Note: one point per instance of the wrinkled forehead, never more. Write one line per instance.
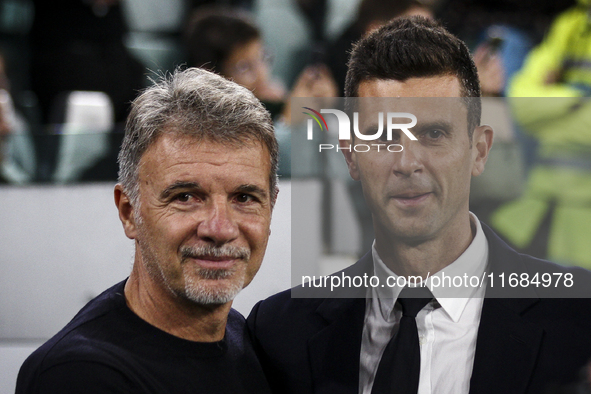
(180, 141)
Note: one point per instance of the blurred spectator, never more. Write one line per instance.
(78, 45)
(553, 217)
(469, 19)
(371, 14)
(491, 70)
(228, 42)
(498, 56)
(501, 33)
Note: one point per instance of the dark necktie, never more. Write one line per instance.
(398, 372)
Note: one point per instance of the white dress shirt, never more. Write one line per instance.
(447, 326)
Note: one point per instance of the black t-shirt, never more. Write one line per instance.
(107, 348)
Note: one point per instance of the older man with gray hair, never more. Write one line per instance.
(197, 184)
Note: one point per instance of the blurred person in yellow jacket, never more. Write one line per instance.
(550, 98)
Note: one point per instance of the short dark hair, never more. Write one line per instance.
(214, 32)
(415, 47)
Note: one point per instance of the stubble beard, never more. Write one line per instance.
(197, 288)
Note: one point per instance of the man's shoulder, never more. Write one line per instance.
(85, 327)
(518, 275)
(305, 309)
(319, 291)
(564, 291)
(282, 307)
(82, 340)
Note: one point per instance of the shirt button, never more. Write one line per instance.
(421, 340)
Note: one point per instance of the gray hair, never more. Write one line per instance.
(200, 104)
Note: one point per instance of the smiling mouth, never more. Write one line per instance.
(214, 263)
(214, 258)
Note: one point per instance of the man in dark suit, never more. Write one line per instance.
(518, 339)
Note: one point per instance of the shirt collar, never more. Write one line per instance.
(472, 262)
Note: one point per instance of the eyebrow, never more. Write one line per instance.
(250, 188)
(179, 185)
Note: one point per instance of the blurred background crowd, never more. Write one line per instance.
(69, 69)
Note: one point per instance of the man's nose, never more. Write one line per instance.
(409, 161)
(219, 225)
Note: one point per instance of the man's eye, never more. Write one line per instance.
(242, 198)
(434, 134)
(183, 197)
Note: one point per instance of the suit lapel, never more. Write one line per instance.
(507, 345)
(335, 350)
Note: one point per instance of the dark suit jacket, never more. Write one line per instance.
(524, 345)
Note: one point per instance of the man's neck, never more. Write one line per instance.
(181, 318)
(424, 257)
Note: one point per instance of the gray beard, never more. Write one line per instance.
(197, 291)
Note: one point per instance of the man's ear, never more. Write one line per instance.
(346, 147)
(482, 141)
(126, 213)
